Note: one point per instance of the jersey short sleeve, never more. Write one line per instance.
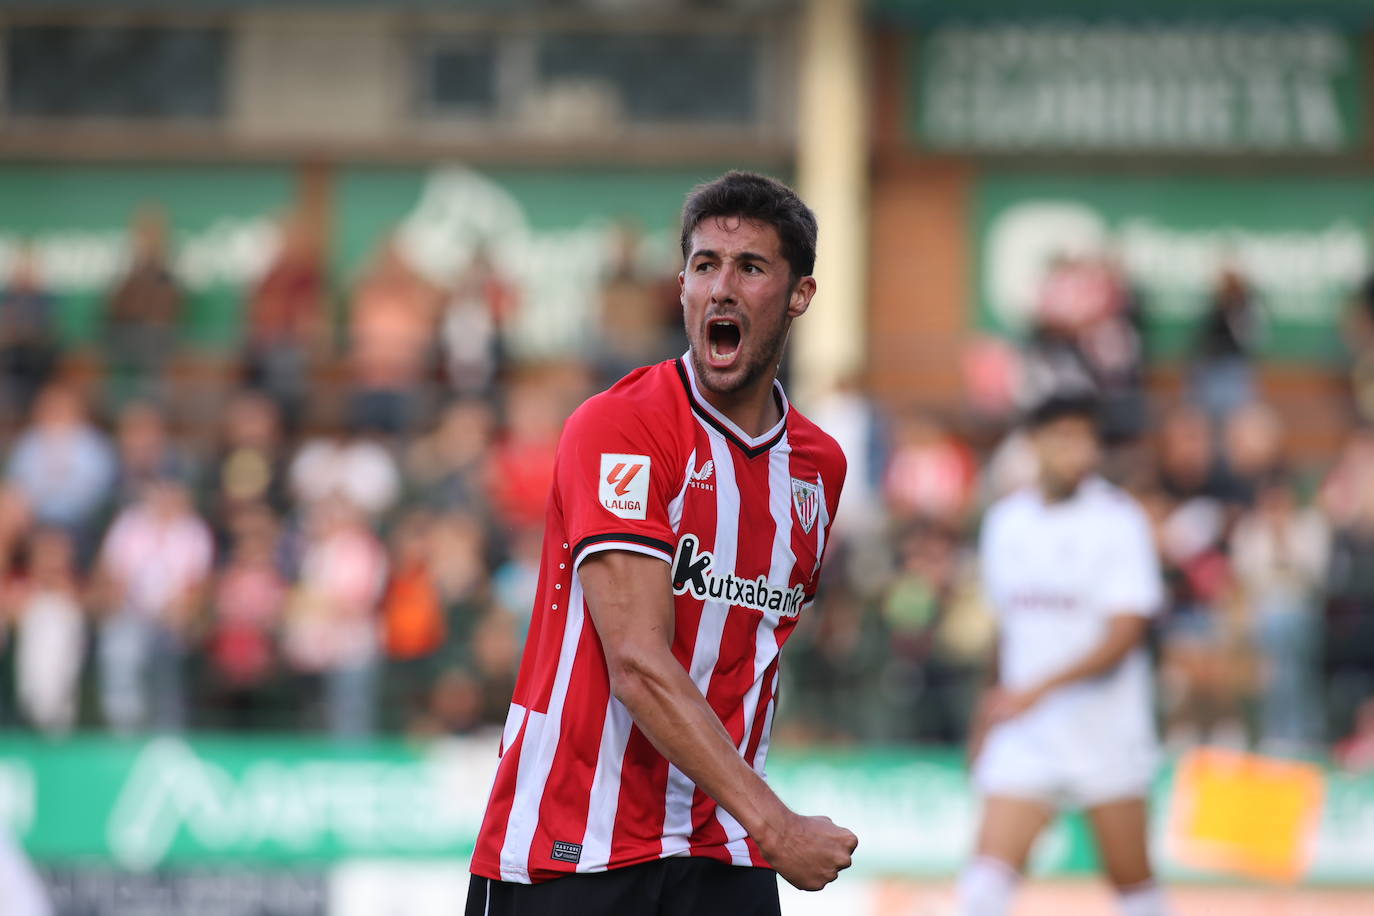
(615, 476)
(1132, 583)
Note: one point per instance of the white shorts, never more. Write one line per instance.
(1019, 763)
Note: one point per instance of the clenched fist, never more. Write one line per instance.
(809, 852)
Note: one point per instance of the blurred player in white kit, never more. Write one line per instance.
(1070, 570)
(21, 890)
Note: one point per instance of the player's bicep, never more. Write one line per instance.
(630, 598)
(614, 481)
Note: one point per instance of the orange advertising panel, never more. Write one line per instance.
(1245, 814)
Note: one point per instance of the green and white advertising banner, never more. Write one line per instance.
(223, 222)
(171, 805)
(554, 232)
(1086, 86)
(1302, 243)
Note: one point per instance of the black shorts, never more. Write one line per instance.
(676, 886)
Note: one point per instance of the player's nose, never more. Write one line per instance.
(723, 286)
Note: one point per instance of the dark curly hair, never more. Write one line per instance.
(760, 198)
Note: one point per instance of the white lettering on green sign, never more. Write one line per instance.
(1104, 88)
(367, 805)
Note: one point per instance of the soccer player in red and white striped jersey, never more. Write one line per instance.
(689, 514)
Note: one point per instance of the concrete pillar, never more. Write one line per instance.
(832, 176)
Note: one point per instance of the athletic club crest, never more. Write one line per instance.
(806, 499)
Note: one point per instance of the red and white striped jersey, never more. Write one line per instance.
(651, 467)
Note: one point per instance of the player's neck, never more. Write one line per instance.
(754, 409)
(1052, 492)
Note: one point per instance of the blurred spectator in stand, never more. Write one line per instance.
(1108, 330)
(1349, 481)
(144, 311)
(154, 567)
(145, 452)
(391, 335)
(1222, 374)
(63, 466)
(991, 370)
(630, 333)
(1358, 335)
(1355, 753)
(1252, 452)
(455, 707)
(356, 468)
(1012, 466)
(931, 473)
(1075, 295)
(1186, 461)
(50, 631)
(1201, 678)
(496, 659)
(448, 467)
(913, 608)
(414, 629)
(288, 319)
(1348, 497)
(849, 415)
(472, 327)
(515, 582)
(250, 468)
(1086, 336)
(245, 621)
(331, 630)
(837, 659)
(1280, 551)
(521, 470)
(28, 335)
(459, 562)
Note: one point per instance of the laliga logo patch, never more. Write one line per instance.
(624, 484)
(806, 499)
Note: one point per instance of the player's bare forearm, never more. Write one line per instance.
(630, 599)
(1124, 633)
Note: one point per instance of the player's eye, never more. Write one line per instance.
(752, 269)
(702, 266)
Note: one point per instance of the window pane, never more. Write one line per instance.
(147, 72)
(460, 76)
(662, 77)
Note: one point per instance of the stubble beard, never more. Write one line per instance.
(765, 363)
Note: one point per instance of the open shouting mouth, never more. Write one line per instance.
(723, 339)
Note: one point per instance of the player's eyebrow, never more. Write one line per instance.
(742, 256)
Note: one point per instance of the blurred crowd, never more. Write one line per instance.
(346, 538)
(1267, 640)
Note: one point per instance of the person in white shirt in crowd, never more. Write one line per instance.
(50, 630)
(1070, 571)
(331, 631)
(153, 569)
(358, 468)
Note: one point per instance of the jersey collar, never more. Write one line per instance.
(750, 445)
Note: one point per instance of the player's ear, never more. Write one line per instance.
(799, 300)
